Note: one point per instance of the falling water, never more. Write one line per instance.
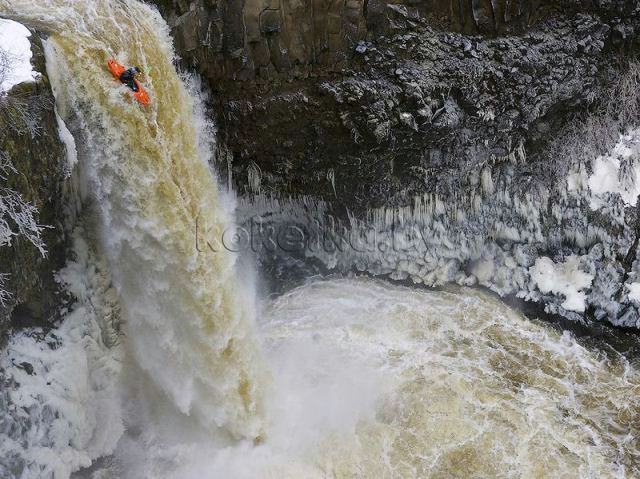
(187, 323)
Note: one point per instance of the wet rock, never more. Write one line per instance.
(28, 368)
(270, 21)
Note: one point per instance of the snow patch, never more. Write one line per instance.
(634, 292)
(566, 279)
(617, 172)
(14, 42)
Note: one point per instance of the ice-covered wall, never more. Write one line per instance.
(570, 246)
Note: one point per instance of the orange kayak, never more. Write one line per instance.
(141, 95)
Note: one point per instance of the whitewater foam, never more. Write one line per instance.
(373, 380)
(61, 397)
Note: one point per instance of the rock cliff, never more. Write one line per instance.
(30, 142)
(462, 112)
(310, 90)
(463, 121)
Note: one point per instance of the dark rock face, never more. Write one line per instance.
(421, 113)
(445, 124)
(392, 98)
(267, 39)
(29, 139)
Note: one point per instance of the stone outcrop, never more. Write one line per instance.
(269, 39)
(29, 139)
(453, 115)
(393, 98)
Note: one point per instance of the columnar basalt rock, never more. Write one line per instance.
(375, 104)
(412, 89)
(279, 39)
(265, 39)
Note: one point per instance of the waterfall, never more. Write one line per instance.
(159, 368)
(146, 176)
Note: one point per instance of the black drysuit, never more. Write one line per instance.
(129, 78)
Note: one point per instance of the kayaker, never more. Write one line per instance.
(129, 78)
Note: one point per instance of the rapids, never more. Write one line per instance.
(372, 380)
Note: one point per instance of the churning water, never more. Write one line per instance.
(372, 380)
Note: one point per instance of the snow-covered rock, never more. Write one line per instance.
(618, 171)
(15, 55)
(566, 279)
(634, 292)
